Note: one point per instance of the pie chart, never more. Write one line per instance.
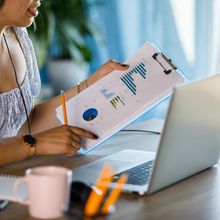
(90, 114)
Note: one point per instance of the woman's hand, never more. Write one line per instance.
(61, 140)
(105, 69)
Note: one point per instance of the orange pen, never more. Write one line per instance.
(64, 107)
(115, 193)
(97, 195)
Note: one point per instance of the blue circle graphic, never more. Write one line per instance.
(90, 114)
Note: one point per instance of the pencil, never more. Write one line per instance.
(64, 107)
(115, 193)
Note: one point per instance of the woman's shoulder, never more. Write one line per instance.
(31, 62)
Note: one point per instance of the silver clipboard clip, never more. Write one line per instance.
(169, 61)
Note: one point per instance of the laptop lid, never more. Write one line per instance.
(190, 141)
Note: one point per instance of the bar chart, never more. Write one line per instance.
(128, 78)
(116, 101)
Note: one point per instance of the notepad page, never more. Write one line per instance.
(6, 188)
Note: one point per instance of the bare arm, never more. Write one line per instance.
(12, 150)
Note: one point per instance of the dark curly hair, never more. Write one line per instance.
(1, 2)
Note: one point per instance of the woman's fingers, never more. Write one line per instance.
(74, 146)
(71, 151)
(76, 140)
(105, 69)
(113, 65)
(83, 133)
(110, 66)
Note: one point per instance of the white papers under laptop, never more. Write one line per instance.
(190, 142)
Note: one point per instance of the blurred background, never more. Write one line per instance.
(72, 38)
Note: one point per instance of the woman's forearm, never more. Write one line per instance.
(43, 116)
(12, 150)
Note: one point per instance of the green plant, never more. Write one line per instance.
(64, 24)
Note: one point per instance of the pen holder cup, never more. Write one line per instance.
(78, 197)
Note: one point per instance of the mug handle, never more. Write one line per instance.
(15, 188)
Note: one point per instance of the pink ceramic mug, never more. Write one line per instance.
(48, 191)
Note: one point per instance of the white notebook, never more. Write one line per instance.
(6, 188)
(120, 97)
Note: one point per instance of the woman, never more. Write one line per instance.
(27, 130)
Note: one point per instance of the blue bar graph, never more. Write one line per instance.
(128, 79)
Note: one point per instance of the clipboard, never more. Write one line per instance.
(119, 98)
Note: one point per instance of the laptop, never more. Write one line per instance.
(190, 143)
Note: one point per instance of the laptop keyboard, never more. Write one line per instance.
(138, 175)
